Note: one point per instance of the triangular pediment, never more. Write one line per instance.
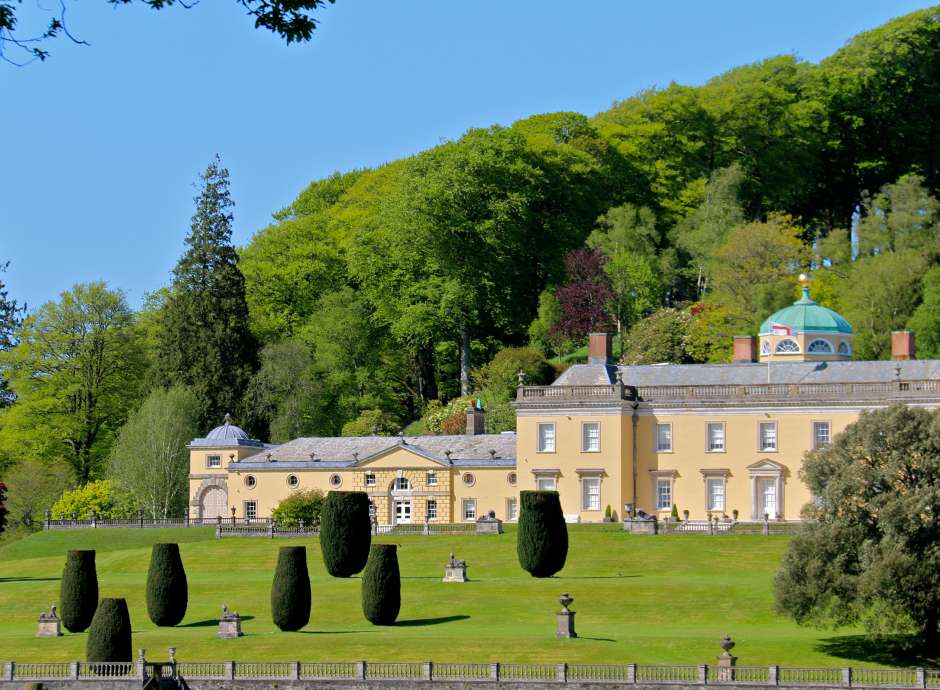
(766, 465)
(401, 455)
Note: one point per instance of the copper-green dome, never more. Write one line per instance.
(806, 316)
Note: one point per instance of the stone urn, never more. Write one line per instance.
(565, 618)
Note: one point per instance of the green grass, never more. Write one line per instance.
(664, 599)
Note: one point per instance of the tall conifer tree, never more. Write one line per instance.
(205, 342)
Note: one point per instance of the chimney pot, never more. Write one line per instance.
(745, 349)
(600, 348)
(902, 345)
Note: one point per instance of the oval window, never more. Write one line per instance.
(336, 480)
(469, 479)
(250, 481)
(512, 478)
(293, 481)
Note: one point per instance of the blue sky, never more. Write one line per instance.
(101, 144)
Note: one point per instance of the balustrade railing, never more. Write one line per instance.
(475, 673)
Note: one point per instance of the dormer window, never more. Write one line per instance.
(787, 346)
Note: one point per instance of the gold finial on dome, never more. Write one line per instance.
(804, 279)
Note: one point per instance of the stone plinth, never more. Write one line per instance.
(640, 526)
(727, 661)
(50, 625)
(455, 570)
(230, 624)
(565, 619)
(489, 525)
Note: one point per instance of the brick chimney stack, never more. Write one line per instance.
(745, 349)
(902, 345)
(475, 419)
(600, 348)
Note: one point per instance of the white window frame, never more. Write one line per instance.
(710, 505)
(370, 478)
(512, 509)
(760, 437)
(546, 478)
(253, 509)
(585, 446)
(663, 482)
(469, 509)
(431, 478)
(656, 440)
(828, 351)
(214, 462)
(708, 437)
(542, 443)
(586, 495)
(779, 351)
(402, 484)
(431, 509)
(815, 438)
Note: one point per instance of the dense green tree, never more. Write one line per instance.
(10, 320)
(371, 423)
(501, 374)
(871, 551)
(150, 459)
(105, 498)
(167, 589)
(34, 486)
(345, 532)
(205, 338)
(78, 591)
(76, 371)
(381, 585)
(109, 636)
(299, 507)
(282, 395)
(542, 542)
(543, 331)
(585, 296)
(903, 216)
(660, 337)
(925, 322)
(3, 507)
(290, 591)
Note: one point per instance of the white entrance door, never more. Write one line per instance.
(402, 512)
(214, 503)
(768, 494)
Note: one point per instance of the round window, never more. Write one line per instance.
(469, 479)
(250, 481)
(335, 480)
(293, 481)
(511, 478)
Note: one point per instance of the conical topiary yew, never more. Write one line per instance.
(381, 585)
(109, 637)
(345, 532)
(542, 543)
(167, 590)
(290, 592)
(78, 592)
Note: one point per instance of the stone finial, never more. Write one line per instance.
(565, 618)
(618, 377)
(141, 654)
(492, 453)
(227, 420)
(520, 378)
(726, 644)
(172, 652)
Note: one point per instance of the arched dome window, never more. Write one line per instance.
(765, 347)
(844, 348)
(787, 346)
(820, 346)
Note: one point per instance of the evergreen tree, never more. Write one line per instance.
(109, 637)
(542, 544)
(205, 342)
(78, 593)
(345, 532)
(290, 592)
(10, 313)
(381, 585)
(3, 507)
(167, 590)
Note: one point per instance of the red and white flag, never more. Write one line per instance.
(780, 329)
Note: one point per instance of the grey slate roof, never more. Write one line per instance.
(337, 451)
(753, 373)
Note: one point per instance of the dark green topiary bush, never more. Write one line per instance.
(542, 543)
(381, 585)
(167, 591)
(78, 592)
(345, 532)
(109, 637)
(290, 592)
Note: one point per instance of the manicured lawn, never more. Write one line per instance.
(664, 599)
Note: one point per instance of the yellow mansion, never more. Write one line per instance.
(711, 439)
